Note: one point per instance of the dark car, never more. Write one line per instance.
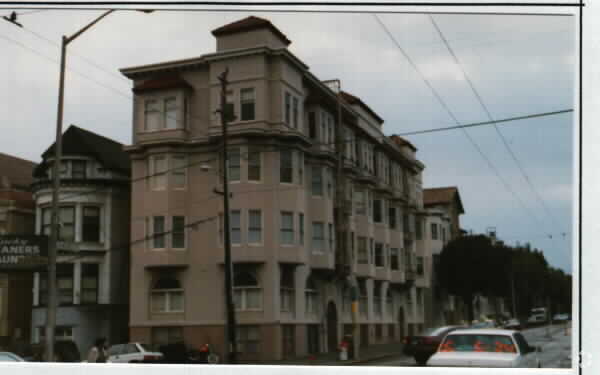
(64, 351)
(424, 345)
(180, 353)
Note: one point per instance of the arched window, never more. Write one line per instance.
(167, 296)
(247, 293)
(311, 295)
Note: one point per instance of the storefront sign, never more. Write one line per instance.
(23, 252)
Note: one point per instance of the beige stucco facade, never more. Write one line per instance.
(290, 301)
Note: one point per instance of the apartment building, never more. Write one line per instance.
(92, 263)
(17, 217)
(289, 299)
(441, 224)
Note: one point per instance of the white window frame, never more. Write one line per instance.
(162, 101)
(242, 102)
(291, 153)
(153, 234)
(185, 233)
(154, 175)
(312, 180)
(283, 230)
(178, 170)
(234, 151)
(250, 229)
(168, 293)
(253, 150)
(321, 249)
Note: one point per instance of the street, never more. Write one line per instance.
(555, 349)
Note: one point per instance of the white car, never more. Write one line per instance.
(485, 348)
(132, 353)
(10, 357)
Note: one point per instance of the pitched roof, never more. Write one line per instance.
(16, 171)
(164, 82)
(78, 141)
(402, 142)
(351, 99)
(247, 24)
(442, 195)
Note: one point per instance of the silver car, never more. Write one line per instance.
(10, 357)
(485, 348)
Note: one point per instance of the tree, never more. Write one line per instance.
(472, 265)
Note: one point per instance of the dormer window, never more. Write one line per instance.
(78, 169)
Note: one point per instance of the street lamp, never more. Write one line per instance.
(52, 251)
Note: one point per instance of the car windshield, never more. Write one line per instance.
(5, 357)
(145, 347)
(478, 343)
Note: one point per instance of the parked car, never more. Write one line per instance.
(10, 357)
(64, 351)
(181, 353)
(422, 346)
(133, 352)
(485, 348)
(513, 324)
(484, 324)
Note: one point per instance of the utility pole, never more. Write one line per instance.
(230, 329)
(342, 221)
(54, 224)
(514, 298)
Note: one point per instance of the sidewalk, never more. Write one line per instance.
(371, 353)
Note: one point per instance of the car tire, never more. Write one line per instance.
(421, 360)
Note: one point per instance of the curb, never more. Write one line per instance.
(367, 360)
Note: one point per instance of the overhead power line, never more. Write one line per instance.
(475, 124)
(451, 114)
(490, 117)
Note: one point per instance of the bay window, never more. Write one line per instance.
(287, 228)
(286, 169)
(254, 164)
(234, 164)
(287, 291)
(311, 296)
(317, 180)
(254, 226)
(179, 171)
(91, 224)
(247, 103)
(158, 232)
(158, 172)
(89, 283)
(178, 232)
(318, 237)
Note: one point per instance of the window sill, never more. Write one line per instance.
(144, 131)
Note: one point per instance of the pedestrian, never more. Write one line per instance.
(98, 352)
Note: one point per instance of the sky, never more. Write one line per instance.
(518, 64)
